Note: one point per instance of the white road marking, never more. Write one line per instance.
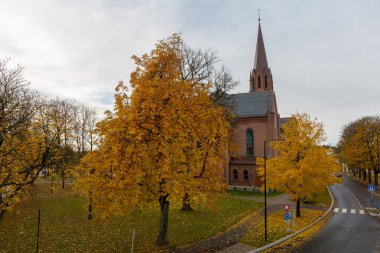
(345, 210)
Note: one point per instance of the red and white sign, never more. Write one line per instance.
(287, 207)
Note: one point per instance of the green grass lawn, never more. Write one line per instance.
(251, 194)
(319, 199)
(65, 228)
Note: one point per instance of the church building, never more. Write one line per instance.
(257, 120)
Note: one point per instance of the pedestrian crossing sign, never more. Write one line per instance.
(371, 188)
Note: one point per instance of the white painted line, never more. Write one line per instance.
(361, 211)
(353, 211)
(336, 210)
(344, 210)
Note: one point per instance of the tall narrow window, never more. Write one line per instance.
(259, 82)
(245, 174)
(235, 174)
(266, 82)
(249, 142)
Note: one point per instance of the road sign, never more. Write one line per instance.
(371, 188)
(287, 207)
(287, 216)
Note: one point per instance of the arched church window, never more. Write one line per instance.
(245, 174)
(266, 82)
(249, 142)
(235, 174)
(259, 82)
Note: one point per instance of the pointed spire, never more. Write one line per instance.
(261, 57)
(260, 78)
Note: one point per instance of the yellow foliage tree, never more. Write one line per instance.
(303, 165)
(167, 141)
(359, 146)
(28, 140)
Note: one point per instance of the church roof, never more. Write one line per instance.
(253, 104)
(284, 120)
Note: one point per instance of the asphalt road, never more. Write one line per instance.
(349, 229)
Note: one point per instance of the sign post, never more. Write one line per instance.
(288, 217)
(371, 189)
(291, 220)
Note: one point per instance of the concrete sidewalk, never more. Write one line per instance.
(281, 199)
(237, 248)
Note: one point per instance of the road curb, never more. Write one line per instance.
(373, 211)
(270, 245)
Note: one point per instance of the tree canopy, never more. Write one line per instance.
(35, 134)
(167, 140)
(303, 165)
(359, 146)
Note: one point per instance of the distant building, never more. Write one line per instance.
(257, 120)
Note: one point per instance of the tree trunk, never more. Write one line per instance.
(364, 174)
(2, 214)
(376, 173)
(369, 176)
(360, 173)
(353, 171)
(90, 206)
(63, 179)
(298, 208)
(186, 203)
(164, 222)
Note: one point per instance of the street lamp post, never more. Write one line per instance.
(265, 187)
(265, 191)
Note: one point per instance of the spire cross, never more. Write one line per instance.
(258, 12)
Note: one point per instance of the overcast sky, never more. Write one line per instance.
(324, 55)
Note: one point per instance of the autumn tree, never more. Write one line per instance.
(203, 67)
(27, 139)
(359, 146)
(84, 129)
(153, 147)
(303, 165)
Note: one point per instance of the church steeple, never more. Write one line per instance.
(261, 57)
(261, 76)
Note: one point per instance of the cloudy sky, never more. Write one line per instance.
(324, 55)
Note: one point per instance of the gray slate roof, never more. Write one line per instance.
(253, 104)
(284, 120)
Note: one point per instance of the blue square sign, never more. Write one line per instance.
(286, 216)
(371, 188)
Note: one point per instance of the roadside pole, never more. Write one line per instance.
(38, 230)
(371, 189)
(133, 240)
(288, 216)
